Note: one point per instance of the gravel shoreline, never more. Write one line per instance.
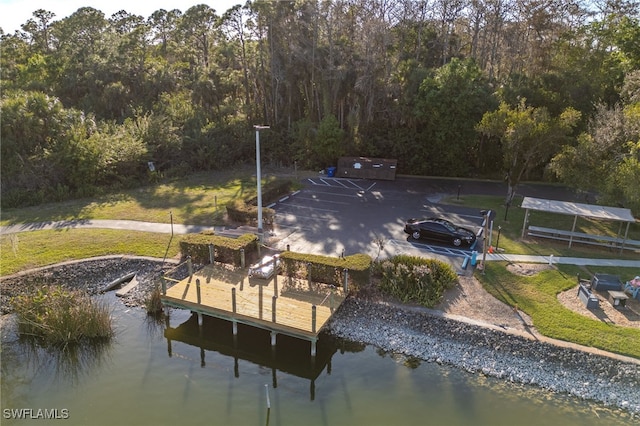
(473, 348)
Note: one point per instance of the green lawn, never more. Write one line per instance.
(39, 248)
(196, 200)
(537, 296)
(200, 200)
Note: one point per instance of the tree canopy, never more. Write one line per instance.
(88, 100)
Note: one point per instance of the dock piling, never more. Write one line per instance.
(313, 318)
(198, 296)
(273, 308)
(233, 300)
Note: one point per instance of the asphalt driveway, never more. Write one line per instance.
(335, 216)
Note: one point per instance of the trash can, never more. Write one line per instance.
(331, 171)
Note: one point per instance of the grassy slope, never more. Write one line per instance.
(537, 296)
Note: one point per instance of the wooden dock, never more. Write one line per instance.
(281, 304)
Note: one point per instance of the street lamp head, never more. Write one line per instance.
(260, 127)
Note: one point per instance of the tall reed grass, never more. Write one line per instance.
(59, 316)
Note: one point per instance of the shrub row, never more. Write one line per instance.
(415, 279)
(328, 269)
(226, 249)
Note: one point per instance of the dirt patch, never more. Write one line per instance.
(627, 316)
(469, 299)
(527, 269)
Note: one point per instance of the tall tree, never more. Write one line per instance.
(529, 137)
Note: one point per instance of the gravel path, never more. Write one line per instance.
(416, 332)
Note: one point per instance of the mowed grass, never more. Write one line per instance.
(199, 199)
(27, 250)
(537, 296)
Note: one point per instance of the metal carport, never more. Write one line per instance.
(577, 209)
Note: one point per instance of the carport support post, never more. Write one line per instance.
(524, 224)
(573, 228)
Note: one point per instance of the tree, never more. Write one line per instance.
(449, 105)
(607, 156)
(529, 137)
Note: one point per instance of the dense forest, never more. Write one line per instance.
(513, 89)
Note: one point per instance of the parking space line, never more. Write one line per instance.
(372, 185)
(325, 201)
(340, 183)
(310, 208)
(354, 184)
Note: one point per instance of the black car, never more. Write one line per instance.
(439, 230)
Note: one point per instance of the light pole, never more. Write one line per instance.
(259, 179)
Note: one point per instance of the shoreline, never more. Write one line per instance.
(430, 335)
(482, 350)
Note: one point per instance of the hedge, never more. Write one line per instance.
(328, 269)
(226, 249)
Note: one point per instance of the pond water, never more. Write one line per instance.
(150, 375)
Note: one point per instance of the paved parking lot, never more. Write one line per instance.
(333, 216)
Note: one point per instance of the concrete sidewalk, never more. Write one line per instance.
(128, 225)
(167, 228)
(555, 260)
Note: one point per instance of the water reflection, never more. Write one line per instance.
(290, 355)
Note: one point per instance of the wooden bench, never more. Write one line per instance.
(582, 238)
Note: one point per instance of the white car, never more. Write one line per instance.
(265, 268)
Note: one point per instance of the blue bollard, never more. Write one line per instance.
(474, 258)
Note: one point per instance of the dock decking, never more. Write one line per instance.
(281, 304)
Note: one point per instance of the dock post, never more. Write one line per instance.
(164, 285)
(234, 328)
(273, 339)
(200, 319)
(198, 298)
(242, 259)
(190, 267)
(309, 273)
(273, 308)
(313, 347)
(233, 299)
(212, 254)
(313, 318)
(346, 281)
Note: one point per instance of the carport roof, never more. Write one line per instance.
(578, 209)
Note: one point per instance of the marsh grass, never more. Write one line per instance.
(153, 304)
(62, 317)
